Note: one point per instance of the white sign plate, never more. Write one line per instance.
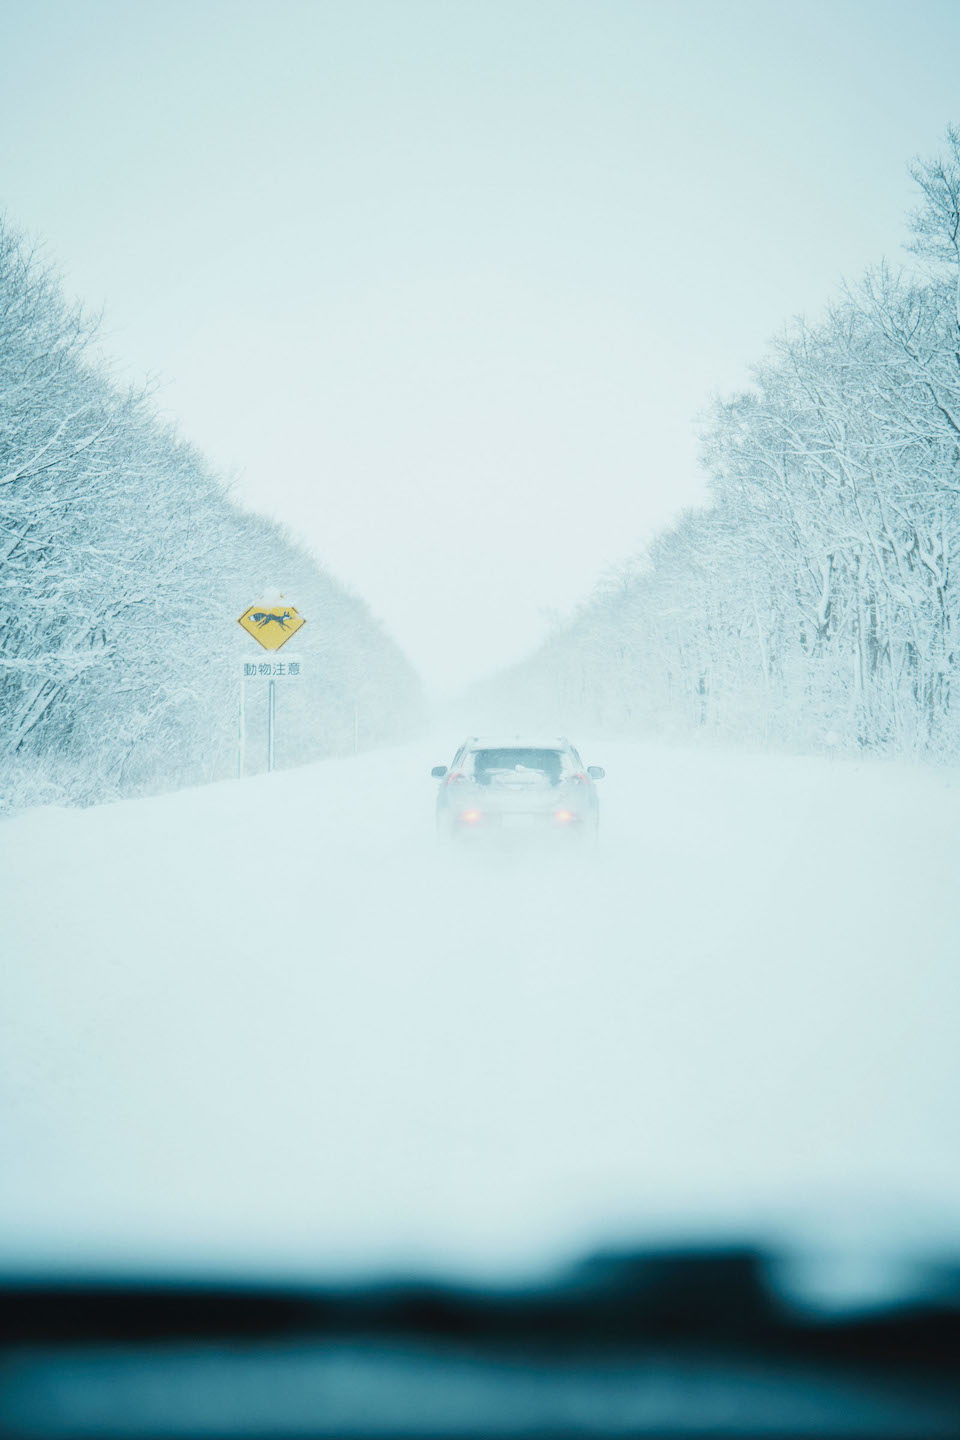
(289, 668)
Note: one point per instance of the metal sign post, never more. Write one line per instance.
(271, 722)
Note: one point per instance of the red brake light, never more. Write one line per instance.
(563, 816)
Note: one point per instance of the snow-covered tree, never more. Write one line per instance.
(123, 567)
(815, 600)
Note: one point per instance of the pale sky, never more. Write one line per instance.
(447, 284)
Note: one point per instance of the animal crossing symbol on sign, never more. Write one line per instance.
(271, 625)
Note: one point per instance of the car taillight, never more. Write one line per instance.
(564, 816)
(470, 816)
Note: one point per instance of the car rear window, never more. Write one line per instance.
(489, 763)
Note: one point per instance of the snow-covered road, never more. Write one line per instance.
(271, 1024)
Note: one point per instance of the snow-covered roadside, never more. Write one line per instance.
(270, 1025)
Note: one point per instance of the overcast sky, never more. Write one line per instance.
(447, 284)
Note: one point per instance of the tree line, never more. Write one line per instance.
(123, 566)
(813, 601)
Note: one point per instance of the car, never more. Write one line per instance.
(537, 786)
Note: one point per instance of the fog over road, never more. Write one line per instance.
(270, 1023)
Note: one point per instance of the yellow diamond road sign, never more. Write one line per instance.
(271, 625)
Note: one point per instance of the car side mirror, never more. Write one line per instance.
(438, 772)
(596, 772)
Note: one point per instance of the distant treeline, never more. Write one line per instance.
(814, 602)
(123, 567)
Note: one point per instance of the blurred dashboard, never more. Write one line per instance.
(686, 1343)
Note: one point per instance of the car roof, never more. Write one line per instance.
(517, 742)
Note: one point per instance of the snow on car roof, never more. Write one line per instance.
(518, 742)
